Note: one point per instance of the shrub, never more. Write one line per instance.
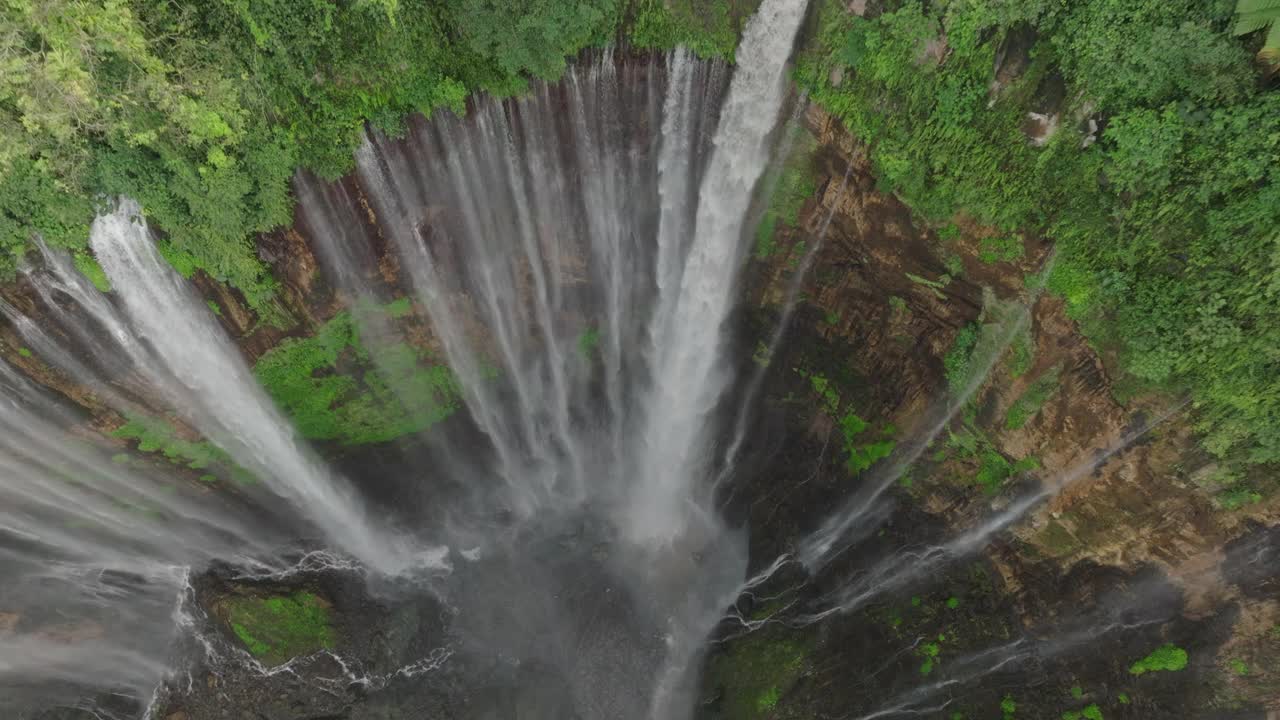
(1169, 658)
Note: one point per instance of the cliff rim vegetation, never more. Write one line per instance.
(1142, 138)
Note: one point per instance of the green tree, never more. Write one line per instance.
(535, 36)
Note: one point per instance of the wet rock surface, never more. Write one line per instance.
(1125, 553)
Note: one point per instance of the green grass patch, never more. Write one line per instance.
(977, 345)
(934, 285)
(929, 653)
(862, 449)
(1236, 498)
(275, 629)
(994, 469)
(862, 452)
(970, 443)
(958, 360)
(825, 389)
(398, 308)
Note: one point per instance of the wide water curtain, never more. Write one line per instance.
(567, 259)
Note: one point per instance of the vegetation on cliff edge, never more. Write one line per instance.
(202, 111)
(1157, 178)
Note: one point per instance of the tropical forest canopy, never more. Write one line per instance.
(1157, 180)
(202, 110)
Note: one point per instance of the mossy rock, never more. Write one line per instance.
(276, 628)
(756, 670)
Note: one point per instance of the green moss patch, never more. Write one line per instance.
(795, 185)
(332, 389)
(589, 343)
(1169, 658)
(89, 267)
(1007, 248)
(158, 435)
(1092, 712)
(862, 448)
(277, 628)
(971, 445)
(757, 670)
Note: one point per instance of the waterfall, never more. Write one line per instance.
(525, 232)
(690, 371)
(574, 255)
(94, 555)
(220, 396)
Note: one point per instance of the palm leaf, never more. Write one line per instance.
(1248, 22)
(1249, 6)
(1271, 47)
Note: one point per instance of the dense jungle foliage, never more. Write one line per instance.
(1154, 165)
(203, 110)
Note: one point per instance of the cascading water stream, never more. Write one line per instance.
(94, 557)
(222, 399)
(689, 368)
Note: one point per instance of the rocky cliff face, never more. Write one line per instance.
(897, 323)
(1125, 546)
